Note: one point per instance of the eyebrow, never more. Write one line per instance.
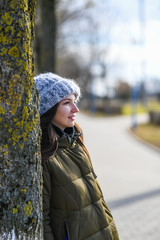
(69, 99)
(66, 99)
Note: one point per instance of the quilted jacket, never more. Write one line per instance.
(73, 203)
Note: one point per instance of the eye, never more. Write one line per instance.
(67, 102)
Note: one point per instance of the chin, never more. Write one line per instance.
(71, 125)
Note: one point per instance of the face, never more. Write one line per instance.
(66, 112)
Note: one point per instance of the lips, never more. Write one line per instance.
(72, 117)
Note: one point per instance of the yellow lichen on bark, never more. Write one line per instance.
(5, 40)
(2, 110)
(23, 190)
(28, 209)
(16, 38)
(3, 51)
(20, 166)
(14, 52)
(12, 39)
(15, 91)
(19, 4)
(7, 18)
(15, 210)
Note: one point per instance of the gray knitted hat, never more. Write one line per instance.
(53, 88)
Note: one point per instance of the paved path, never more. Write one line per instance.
(129, 175)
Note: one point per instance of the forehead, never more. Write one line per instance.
(70, 97)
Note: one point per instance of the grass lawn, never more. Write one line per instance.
(148, 133)
(151, 105)
(139, 108)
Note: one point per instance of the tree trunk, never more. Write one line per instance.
(20, 164)
(46, 36)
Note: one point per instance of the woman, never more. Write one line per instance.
(73, 204)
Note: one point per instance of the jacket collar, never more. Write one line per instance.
(66, 137)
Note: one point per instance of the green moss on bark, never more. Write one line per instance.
(20, 163)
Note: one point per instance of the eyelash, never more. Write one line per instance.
(69, 102)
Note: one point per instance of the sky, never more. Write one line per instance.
(134, 45)
(130, 33)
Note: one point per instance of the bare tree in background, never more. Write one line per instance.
(69, 35)
(20, 161)
(123, 90)
(83, 36)
(46, 32)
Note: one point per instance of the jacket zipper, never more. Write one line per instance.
(67, 231)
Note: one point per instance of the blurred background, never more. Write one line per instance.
(111, 48)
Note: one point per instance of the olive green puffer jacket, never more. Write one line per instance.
(73, 203)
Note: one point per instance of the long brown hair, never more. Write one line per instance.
(49, 141)
(81, 142)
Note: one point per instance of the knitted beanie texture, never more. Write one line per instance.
(53, 88)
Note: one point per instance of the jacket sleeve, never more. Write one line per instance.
(48, 234)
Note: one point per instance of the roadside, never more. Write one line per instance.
(128, 173)
(148, 133)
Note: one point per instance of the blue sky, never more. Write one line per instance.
(134, 49)
(132, 60)
(122, 33)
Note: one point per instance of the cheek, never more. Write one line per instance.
(63, 114)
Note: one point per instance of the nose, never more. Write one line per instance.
(75, 109)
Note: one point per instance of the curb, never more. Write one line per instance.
(143, 142)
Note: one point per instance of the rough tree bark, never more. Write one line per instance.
(20, 163)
